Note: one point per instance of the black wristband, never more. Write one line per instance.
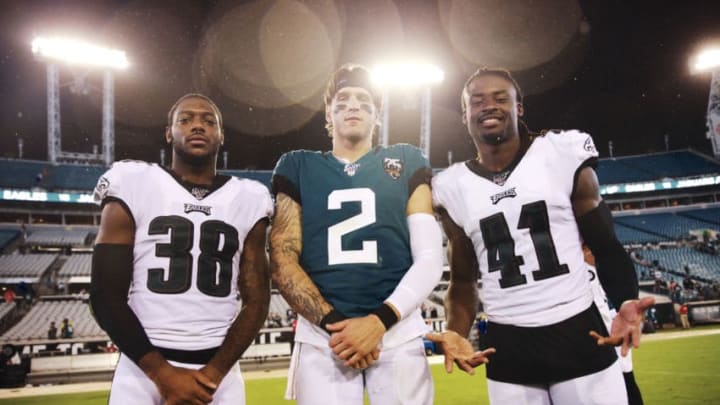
(387, 316)
(331, 317)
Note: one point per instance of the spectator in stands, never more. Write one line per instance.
(688, 283)
(290, 316)
(8, 294)
(66, 329)
(26, 292)
(516, 216)
(39, 177)
(52, 335)
(274, 320)
(175, 249)
(684, 316)
(651, 314)
(52, 331)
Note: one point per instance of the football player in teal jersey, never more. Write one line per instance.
(355, 249)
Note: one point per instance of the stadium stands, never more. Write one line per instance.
(263, 176)
(58, 237)
(6, 308)
(278, 305)
(629, 236)
(35, 324)
(77, 265)
(709, 215)
(658, 166)
(7, 236)
(31, 265)
(667, 225)
(704, 266)
(74, 177)
(25, 174)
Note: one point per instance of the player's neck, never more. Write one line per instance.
(346, 150)
(204, 174)
(498, 157)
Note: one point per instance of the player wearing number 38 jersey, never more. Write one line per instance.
(175, 249)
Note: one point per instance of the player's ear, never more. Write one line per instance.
(168, 135)
(520, 109)
(328, 113)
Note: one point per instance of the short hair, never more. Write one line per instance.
(351, 75)
(486, 71)
(194, 95)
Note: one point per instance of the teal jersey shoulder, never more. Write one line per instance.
(356, 245)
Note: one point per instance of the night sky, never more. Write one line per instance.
(618, 71)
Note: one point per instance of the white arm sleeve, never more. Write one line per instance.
(426, 270)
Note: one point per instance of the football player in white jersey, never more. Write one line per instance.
(516, 215)
(601, 301)
(175, 248)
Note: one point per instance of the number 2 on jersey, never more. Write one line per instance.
(368, 253)
(501, 246)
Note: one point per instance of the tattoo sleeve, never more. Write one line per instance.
(254, 287)
(289, 277)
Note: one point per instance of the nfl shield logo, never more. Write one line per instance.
(351, 168)
(199, 192)
(393, 167)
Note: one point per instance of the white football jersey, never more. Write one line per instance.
(187, 250)
(523, 229)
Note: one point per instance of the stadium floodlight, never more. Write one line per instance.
(78, 52)
(708, 60)
(410, 78)
(406, 74)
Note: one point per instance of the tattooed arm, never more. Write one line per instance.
(254, 287)
(285, 246)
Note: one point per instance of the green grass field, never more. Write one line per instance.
(678, 371)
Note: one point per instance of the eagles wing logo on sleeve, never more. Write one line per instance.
(101, 188)
(589, 145)
(393, 167)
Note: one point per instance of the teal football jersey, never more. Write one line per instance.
(356, 245)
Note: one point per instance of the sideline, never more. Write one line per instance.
(29, 391)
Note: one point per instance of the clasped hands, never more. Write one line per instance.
(356, 341)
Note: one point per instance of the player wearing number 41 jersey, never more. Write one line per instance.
(355, 250)
(175, 249)
(519, 214)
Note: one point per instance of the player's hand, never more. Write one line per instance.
(213, 377)
(369, 360)
(626, 328)
(179, 385)
(459, 351)
(354, 339)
